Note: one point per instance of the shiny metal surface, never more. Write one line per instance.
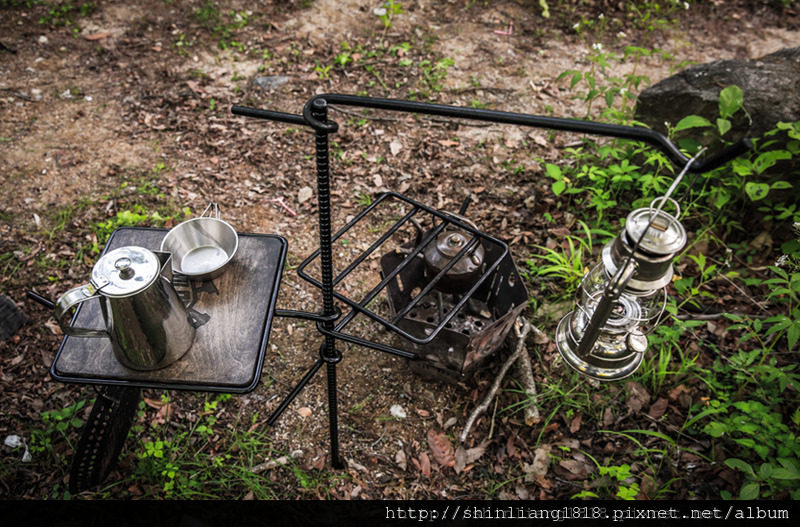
(661, 233)
(144, 318)
(612, 357)
(201, 247)
(443, 250)
(126, 271)
(622, 298)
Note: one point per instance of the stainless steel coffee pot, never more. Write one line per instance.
(145, 320)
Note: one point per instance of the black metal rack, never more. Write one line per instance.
(330, 321)
(359, 307)
(121, 388)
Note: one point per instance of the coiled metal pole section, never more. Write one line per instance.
(329, 353)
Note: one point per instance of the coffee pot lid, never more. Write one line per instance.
(125, 271)
(664, 236)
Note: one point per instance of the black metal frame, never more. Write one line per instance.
(315, 115)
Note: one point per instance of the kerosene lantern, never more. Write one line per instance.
(623, 297)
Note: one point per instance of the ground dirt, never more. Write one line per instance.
(140, 93)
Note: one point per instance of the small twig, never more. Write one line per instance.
(283, 204)
(494, 413)
(18, 94)
(750, 298)
(269, 465)
(529, 385)
(3, 47)
(379, 439)
(484, 405)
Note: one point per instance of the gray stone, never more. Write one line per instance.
(270, 82)
(11, 318)
(771, 87)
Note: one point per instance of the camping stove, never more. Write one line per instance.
(456, 261)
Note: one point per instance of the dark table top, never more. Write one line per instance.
(233, 313)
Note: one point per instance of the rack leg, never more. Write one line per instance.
(329, 352)
(294, 393)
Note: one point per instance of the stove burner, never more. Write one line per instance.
(478, 328)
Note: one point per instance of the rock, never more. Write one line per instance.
(305, 194)
(11, 318)
(270, 82)
(771, 87)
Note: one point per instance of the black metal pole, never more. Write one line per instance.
(329, 353)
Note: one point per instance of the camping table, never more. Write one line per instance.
(233, 315)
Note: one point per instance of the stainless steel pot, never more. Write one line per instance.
(145, 320)
(201, 247)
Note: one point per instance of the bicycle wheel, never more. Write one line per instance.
(104, 436)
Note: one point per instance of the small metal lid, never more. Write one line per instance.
(665, 236)
(125, 271)
(450, 243)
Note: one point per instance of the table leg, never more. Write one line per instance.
(104, 436)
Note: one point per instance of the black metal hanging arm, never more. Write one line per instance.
(634, 133)
(269, 115)
(536, 121)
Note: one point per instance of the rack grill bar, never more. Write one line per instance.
(359, 307)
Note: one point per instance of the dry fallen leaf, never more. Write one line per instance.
(163, 415)
(461, 459)
(395, 147)
(441, 448)
(658, 408)
(608, 417)
(577, 470)
(575, 424)
(638, 397)
(304, 194)
(400, 459)
(98, 36)
(154, 403)
(541, 462)
(425, 465)
(475, 453)
(677, 391)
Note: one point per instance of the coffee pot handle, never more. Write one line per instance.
(70, 299)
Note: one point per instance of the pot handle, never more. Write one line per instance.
(212, 210)
(69, 300)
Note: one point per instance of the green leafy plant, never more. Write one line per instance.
(56, 425)
(65, 13)
(125, 218)
(434, 73)
(755, 428)
(194, 462)
(617, 479)
(566, 264)
(388, 11)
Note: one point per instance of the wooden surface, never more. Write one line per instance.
(233, 313)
